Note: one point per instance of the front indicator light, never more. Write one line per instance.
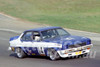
(88, 48)
(12, 48)
(65, 53)
(68, 51)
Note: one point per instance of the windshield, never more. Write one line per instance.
(54, 33)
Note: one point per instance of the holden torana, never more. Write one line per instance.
(53, 42)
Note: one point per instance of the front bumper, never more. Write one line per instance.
(75, 51)
(11, 48)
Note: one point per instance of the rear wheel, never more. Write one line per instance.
(53, 55)
(20, 53)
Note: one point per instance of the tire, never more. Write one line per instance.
(19, 52)
(53, 55)
(84, 55)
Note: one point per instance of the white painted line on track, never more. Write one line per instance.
(18, 32)
(95, 38)
(9, 30)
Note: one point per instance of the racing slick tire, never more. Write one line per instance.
(53, 55)
(19, 52)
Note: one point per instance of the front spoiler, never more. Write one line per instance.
(9, 48)
(83, 51)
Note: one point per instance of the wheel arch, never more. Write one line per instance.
(20, 48)
(56, 49)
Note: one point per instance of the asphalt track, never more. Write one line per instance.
(8, 27)
(8, 59)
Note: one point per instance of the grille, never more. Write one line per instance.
(77, 45)
(82, 44)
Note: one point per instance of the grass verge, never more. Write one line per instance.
(74, 14)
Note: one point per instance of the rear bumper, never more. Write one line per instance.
(76, 52)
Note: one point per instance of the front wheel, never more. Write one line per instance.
(19, 52)
(53, 55)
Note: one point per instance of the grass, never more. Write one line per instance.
(74, 14)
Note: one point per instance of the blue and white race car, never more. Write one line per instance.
(53, 42)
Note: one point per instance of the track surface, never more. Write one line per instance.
(8, 59)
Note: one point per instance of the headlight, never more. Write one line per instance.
(69, 50)
(86, 47)
(79, 48)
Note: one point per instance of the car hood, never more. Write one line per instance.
(69, 40)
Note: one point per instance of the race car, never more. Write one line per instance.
(53, 42)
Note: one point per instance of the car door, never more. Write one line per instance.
(37, 44)
(30, 45)
(27, 41)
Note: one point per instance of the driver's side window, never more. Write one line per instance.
(36, 36)
(27, 36)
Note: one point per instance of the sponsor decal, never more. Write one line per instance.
(33, 54)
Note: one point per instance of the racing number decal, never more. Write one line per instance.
(41, 50)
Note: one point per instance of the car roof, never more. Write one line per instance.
(42, 28)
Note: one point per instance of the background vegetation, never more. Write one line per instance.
(74, 14)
